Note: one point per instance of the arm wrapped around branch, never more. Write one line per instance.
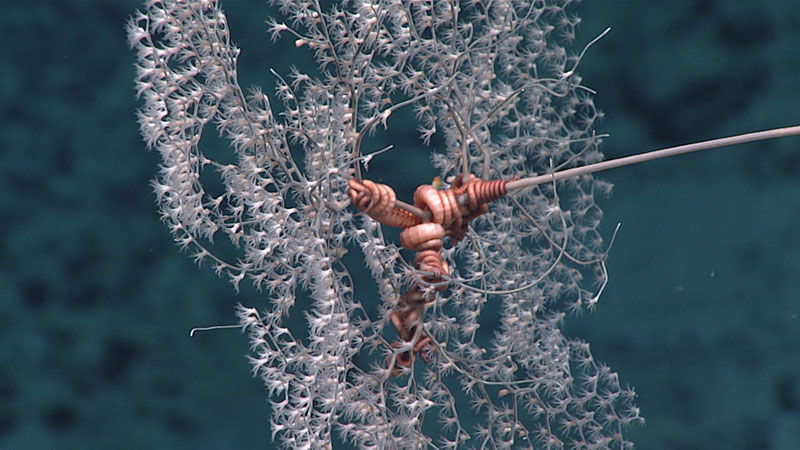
(426, 240)
(464, 201)
(452, 208)
(378, 201)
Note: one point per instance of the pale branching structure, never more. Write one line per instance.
(494, 79)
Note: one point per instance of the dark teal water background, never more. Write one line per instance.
(701, 314)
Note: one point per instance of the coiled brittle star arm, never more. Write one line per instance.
(436, 214)
(378, 201)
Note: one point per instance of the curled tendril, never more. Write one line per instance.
(450, 210)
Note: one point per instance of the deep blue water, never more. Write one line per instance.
(701, 314)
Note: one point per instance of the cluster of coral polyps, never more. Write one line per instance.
(447, 213)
